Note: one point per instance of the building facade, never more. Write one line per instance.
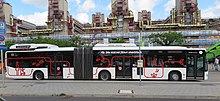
(144, 19)
(14, 26)
(59, 19)
(98, 24)
(78, 27)
(186, 12)
(121, 19)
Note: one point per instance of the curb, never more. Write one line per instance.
(122, 96)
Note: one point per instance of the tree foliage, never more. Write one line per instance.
(168, 39)
(118, 40)
(74, 41)
(9, 43)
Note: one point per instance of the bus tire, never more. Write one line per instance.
(104, 75)
(38, 75)
(175, 76)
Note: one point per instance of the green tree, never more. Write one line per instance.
(168, 39)
(41, 40)
(77, 41)
(118, 40)
(9, 43)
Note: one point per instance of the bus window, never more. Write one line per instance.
(168, 61)
(23, 64)
(102, 61)
(155, 61)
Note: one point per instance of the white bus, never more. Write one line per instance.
(108, 61)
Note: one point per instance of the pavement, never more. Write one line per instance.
(209, 89)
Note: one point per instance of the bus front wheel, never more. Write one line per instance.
(38, 75)
(104, 75)
(174, 76)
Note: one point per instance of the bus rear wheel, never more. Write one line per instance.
(38, 75)
(174, 76)
(104, 75)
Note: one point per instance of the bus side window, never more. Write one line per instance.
(155, 61)
(11, 63)
(24, 64)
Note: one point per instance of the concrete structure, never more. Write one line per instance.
(212, 23)
(77, 27)
(15, 26)
(6, 15)
(144, 18)
(121, 19)
(98, 20)
(185, 15)
(98, 24)
(58, 17)
(186, 12)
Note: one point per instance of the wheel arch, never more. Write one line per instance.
(175, 71)
(104, 71)
(36, 71)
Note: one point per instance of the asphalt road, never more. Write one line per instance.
(69, 98)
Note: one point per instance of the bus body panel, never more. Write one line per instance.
(68, 73)
(157, 74)
(97, 70)
(24, 73)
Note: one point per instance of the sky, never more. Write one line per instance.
(35, 11)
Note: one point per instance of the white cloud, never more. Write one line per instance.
(169, 5)
(88, 5)
(38, 3)
(109, 7)
(139, 5)
(78, 1)
(212, 12)
(38, 18)
(82, 17)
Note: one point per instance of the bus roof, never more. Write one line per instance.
(57, 49)
(116, 45)
(46, 50)
(148, 48)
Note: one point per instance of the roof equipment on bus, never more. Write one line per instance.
(116, 45)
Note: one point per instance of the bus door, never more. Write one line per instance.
(56, 69)
(195, 67)
(123, 67)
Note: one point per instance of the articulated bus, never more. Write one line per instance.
(105, 62)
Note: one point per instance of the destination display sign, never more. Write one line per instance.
(120, 52)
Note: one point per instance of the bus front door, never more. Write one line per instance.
(123, 68)
(195, 68)
(191, 68)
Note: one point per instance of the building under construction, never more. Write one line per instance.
(121, 19)
(60, 22)
(144, 19)
(98, 24)
(186, 12)
(185, 15)
(58, 17)
(14, 26)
